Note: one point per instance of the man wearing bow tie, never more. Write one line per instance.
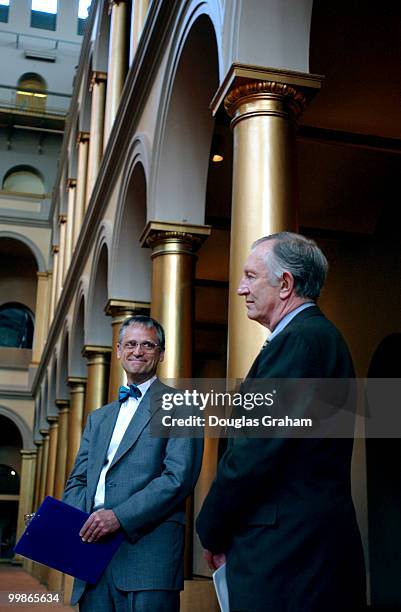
(131, 481)
(280, 510)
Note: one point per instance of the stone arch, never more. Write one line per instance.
(77, 364)
(22, 426)
(36, 252)
(128, 260)
(185, 126)
(97, 325)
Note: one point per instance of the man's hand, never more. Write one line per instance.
(99, 524)
(214, 560)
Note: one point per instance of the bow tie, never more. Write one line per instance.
(125, 392)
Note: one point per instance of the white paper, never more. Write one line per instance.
(220, 585)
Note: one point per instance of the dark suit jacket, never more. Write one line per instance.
(146, 486)
(281, 508)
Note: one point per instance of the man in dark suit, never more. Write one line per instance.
(131, 481)
(280, 510)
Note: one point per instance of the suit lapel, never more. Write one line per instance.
(146, 409)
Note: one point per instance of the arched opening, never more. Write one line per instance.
(130, 279)
(18, 286)
(98, 324)
(31, 92)
(183, 165)
(10, 469)
(24, 179)
(16, 325)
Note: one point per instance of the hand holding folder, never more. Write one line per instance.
(52, 538)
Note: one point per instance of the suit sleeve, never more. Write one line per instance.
(75, 489)
(143, 510)
(251, 464)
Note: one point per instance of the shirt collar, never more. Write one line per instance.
(289, 317)
(143, 387)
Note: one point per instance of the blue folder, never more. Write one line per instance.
(52, 538)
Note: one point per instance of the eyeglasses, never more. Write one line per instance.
(146, 346)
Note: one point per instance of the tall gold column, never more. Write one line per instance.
(71, 185)
(264, 105)
(25, 506)
(82, 177)
(54, 577)
(54, 282)
(139, 12)
(39, 571)
(77, 405)
(61, 255)
(62, 442)
(173, 257)
(173, 270)
(117, 63)
(42, 315)
(98, 362)
(32, 568)
(38, 473)
(120, 310)
(98, 89)
(43, 469)
(51, 460)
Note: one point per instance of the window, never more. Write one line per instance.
(16, 325)
(4, 8)
(83, 10)
(24, 179)
(34, 100)
(44, 14)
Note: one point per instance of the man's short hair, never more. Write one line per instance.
(299, 255)
(145, 321)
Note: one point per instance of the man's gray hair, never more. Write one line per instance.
(299, 255)
(145, 321)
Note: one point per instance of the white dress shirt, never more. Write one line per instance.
(127, 411)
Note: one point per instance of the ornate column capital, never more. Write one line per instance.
(52, 419)
(122, 309)
(253, 90)
(97, 77)
(28, 454)
(55, 249)
(71, 183)
(169, 237)
(44, 432)
(76, 382)
(93, 352)
(115, 3)
(62, 219)
(82, 137)
(63, 405)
